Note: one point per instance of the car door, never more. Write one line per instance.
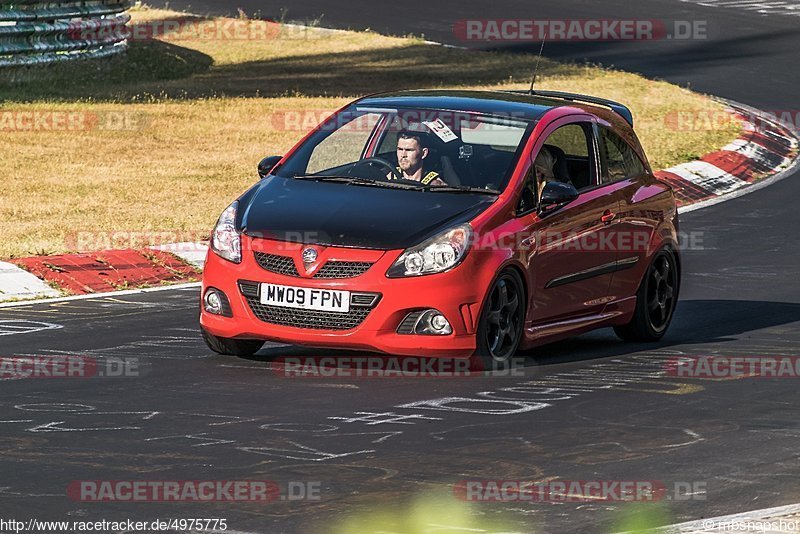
(575, 255)
(640, 208)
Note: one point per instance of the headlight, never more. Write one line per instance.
(436, 255)
(225, 240)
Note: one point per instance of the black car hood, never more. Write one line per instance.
(349, 215)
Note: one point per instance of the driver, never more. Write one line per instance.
(412, 150)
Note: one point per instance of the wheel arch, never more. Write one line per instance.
(507, 265)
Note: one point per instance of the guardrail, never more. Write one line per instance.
(36, 32)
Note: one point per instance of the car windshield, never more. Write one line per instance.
(433, 150)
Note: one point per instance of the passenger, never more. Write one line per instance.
(543, 165)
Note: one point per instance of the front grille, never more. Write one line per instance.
(285, 265)
(343, 269)
(361, 304)
(277, 264)
(308, 318)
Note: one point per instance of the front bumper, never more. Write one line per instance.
(457, 294)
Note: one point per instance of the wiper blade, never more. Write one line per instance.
(462, 189)
(330, 178)
(360, 181)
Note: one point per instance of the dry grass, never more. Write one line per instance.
(200, 117)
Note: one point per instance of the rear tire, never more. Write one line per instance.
(231, 347)
(502, 321)
(655, 300)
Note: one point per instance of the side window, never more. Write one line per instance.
(567, 157)
(343, 146)
(620, 159)
(571, 139)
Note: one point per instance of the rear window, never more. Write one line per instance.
(621, 161)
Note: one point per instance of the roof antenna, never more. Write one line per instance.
(536, 70)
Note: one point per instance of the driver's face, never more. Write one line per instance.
(410, 155)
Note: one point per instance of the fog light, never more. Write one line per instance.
(425, 322)
(438, 322)
(215, 302)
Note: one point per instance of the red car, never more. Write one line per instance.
(448, 223)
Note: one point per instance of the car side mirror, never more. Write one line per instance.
(555, 195)
(267, 164)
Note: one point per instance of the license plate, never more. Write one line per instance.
(305, 298)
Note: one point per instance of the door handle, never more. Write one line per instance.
(528, 242)
(608, 216)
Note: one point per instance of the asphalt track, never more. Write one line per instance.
(373, 443)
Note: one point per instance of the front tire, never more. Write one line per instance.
(231, 347)
(502, 321)
(655, 300)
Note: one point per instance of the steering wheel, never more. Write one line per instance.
(375, 160)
